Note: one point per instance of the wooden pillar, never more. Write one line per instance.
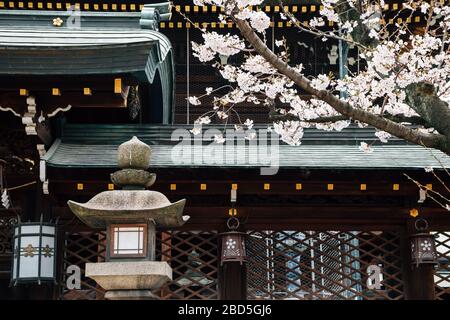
(166, 255)
(45, 291)
(233, 281)
(232, 277)
(420, 279)
(60, 267)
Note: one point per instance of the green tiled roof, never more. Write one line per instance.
(53, 51)
(94, 146)
(103, 44)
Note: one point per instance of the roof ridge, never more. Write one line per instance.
(162, 134)
(82, 155)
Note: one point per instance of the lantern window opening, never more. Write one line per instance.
(128, 240)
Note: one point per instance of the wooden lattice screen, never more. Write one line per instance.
(281, 264)
(193, 256)
(79, 249)
(329, 265)
(442, 274)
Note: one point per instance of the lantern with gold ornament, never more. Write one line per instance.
(34, 246)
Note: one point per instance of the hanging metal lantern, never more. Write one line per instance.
(233, 243)
(34, 246)
(423, 248)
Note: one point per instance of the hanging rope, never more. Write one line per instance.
(5, 199)
(22, 185)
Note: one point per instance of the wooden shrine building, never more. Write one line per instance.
(72, 88)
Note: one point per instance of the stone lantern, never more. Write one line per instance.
(130, 217)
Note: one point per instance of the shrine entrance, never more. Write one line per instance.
(291, 264)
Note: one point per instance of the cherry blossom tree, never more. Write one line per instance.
(403, 90)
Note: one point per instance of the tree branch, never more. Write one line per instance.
(436, 141)
(317, 33)
(273, 116)
(414, 120)
(360, 33)
(423, 99)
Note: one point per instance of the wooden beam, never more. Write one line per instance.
(289, 217)
(13, 100)
(49, 102)
(181, 188)
(65, 83)
(77, 99)
(234, 175)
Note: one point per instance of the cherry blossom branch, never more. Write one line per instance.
(293, 117)
(441, 181)
(437, 141)
(430, 16)
(395, 59)
(429, 193)
(413, 120)
(440, 163)
(315, 31)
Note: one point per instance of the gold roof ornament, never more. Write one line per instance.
(57, 22)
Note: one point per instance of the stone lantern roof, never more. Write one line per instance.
(133, 204)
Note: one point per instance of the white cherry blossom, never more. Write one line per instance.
(248, 123)
(218, 138)
(195, 131)
(194, 101)
(222, 115)
(203, 120)
(259, 21)
(365, 147)
(383, 136)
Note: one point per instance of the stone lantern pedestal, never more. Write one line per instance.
(130, 217)
(130, 280)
